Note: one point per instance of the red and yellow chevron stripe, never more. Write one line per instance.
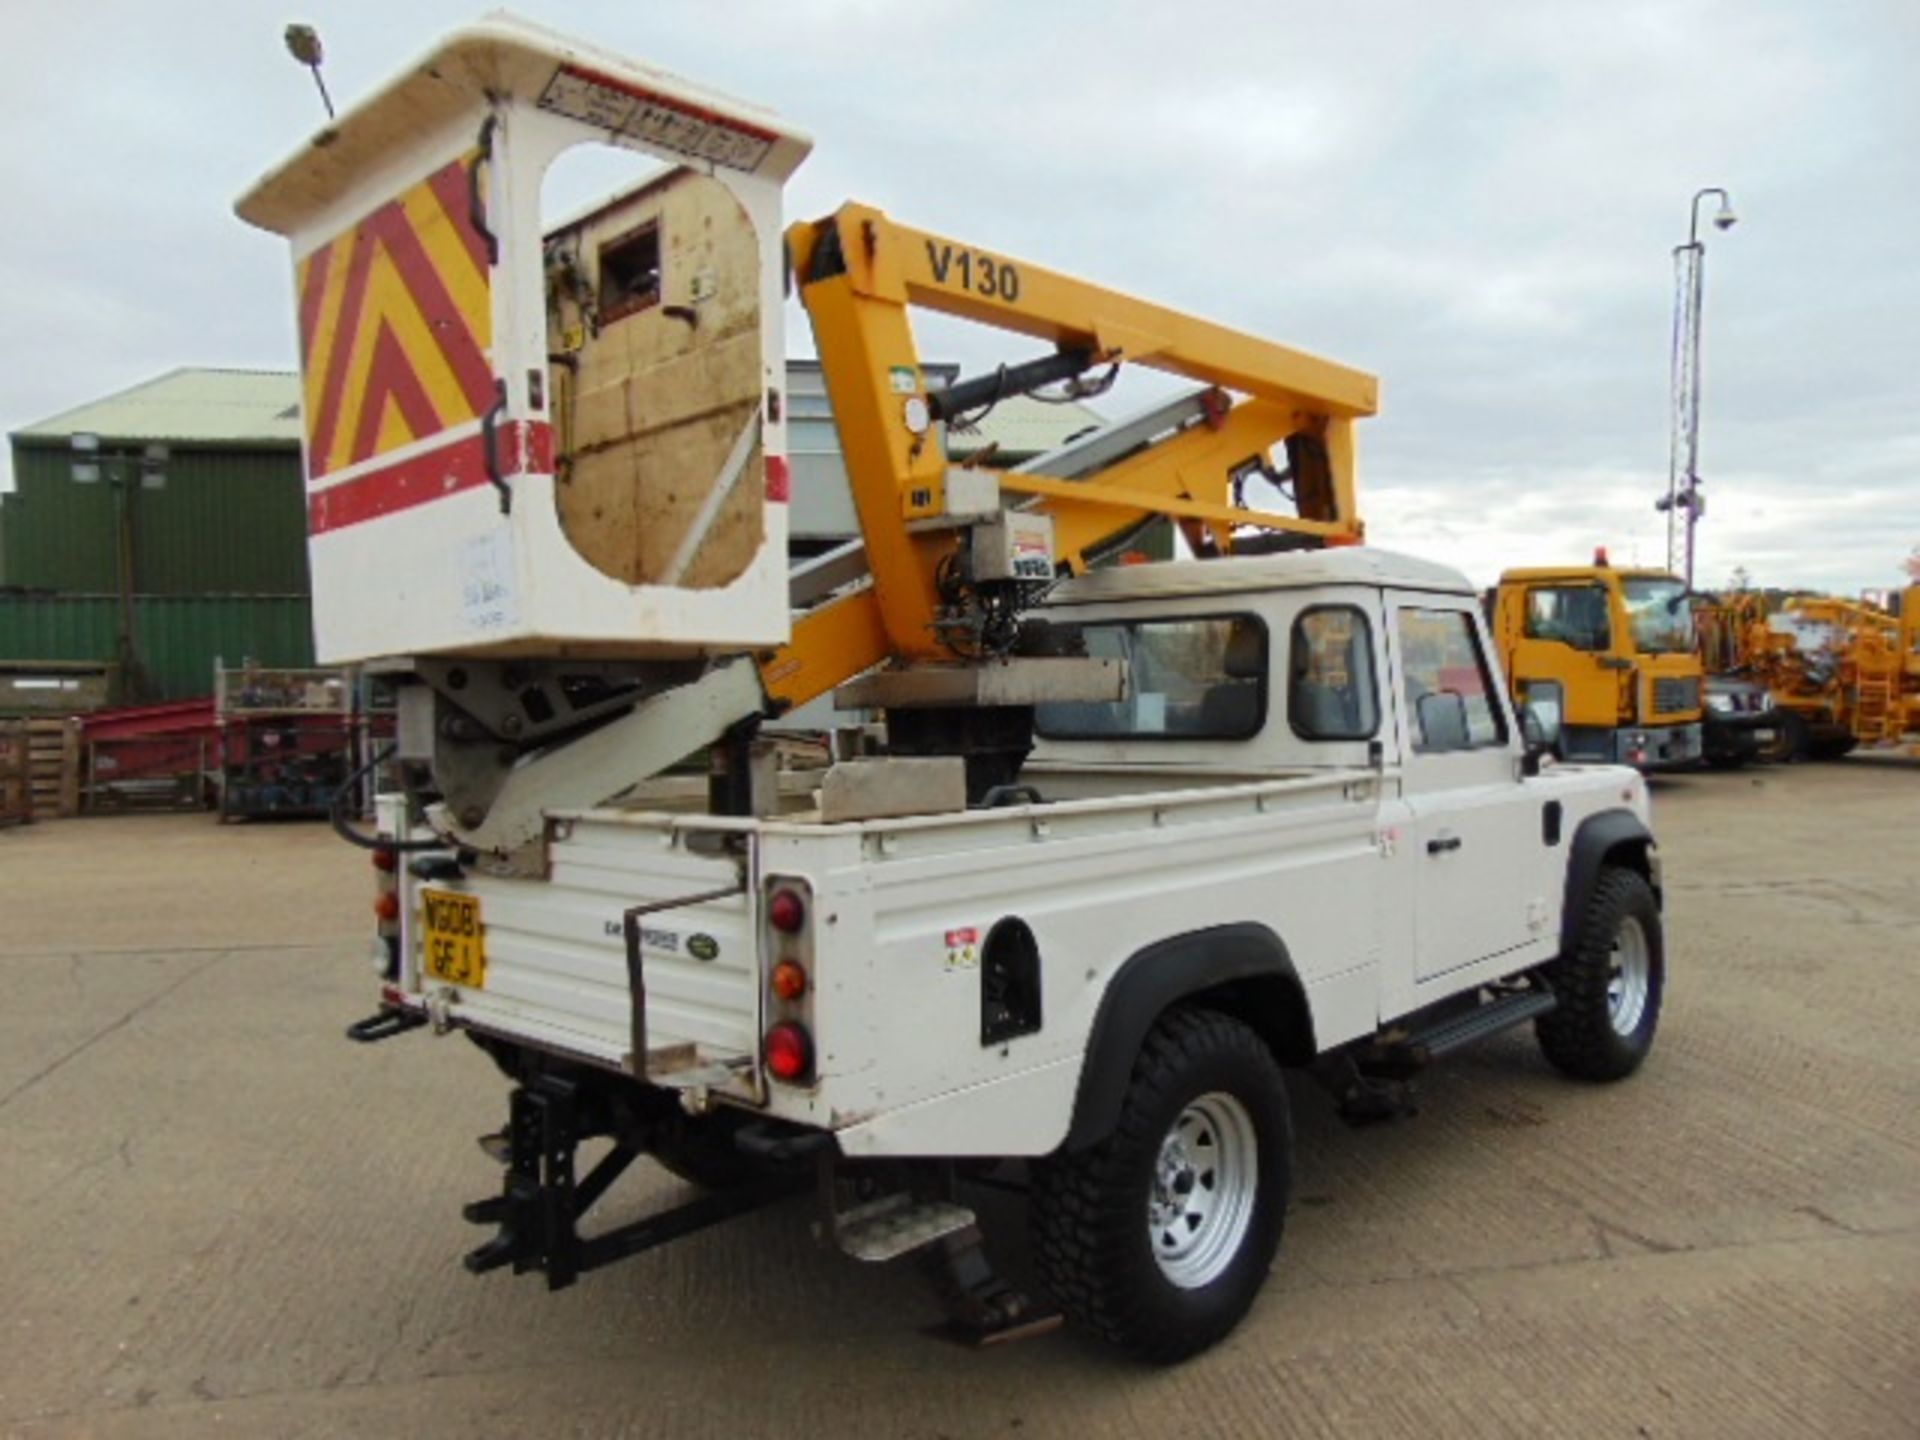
(395, 321)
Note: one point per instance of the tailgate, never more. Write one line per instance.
(554, 969)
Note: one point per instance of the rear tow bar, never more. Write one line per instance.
(541, 1203)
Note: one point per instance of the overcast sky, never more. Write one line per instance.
(1475, 201)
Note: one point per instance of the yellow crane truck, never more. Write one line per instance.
(1605, 660)
(1839, 673)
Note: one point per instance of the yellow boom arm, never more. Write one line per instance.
(858, 272)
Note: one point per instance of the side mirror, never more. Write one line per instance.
(1443, 720)
(1535, 744)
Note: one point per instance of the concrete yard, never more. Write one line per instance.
(218, 1217)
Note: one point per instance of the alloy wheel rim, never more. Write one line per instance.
(1200, 1203)
(1629, 977)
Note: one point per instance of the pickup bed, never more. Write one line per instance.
(1311, 836)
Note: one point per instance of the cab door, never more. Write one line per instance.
(1562, 661)
(1476, 837)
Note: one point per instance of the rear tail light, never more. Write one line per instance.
(786, 911)
(386, 859)
(386, 906)
(786, 1046)
(788, 1051)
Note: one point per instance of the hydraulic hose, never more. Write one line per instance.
(343, 827)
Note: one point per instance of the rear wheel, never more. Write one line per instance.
(1159, 1237)
(1609, 985)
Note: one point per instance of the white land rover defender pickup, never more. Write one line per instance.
(1311, 838)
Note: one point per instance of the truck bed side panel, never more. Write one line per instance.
(900, 997)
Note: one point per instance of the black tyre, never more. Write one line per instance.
(699, 1149)
(1831, 747)
(1609, 985)
(1159, 1237)
(1790, 739)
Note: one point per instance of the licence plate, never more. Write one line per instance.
(453, 946)
(1764, 737)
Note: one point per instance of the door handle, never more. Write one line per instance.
(1442, 845)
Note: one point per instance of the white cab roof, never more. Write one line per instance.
(1341, 565)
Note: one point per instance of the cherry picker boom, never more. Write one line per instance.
(621, 375)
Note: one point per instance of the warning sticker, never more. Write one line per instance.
(676, 125)
(963, 949)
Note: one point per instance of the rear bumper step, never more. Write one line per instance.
(895, 1225)
(384, 1024)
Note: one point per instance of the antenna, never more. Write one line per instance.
(303, 43)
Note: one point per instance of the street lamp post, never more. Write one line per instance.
(124, 470)
(1683, 453)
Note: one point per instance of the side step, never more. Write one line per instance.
(1373, 1081)
(1401, 1056)
(1458, 1031)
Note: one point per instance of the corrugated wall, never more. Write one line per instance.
(228, 521)
(177, 636)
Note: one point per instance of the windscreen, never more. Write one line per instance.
(1657, 610)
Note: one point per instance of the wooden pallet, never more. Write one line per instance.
(15, 799)
(53, 767)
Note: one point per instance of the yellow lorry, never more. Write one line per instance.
(1605, 659)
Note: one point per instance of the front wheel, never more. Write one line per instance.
(1609, 984)
(1791, 740)
(1159, 1237)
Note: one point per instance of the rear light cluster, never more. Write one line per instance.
(787, 1046)
(386, 912)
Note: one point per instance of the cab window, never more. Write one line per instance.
(1201, 678)
(1330, 687)
(1575, 615)
(1450, 697)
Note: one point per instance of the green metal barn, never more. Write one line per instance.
(173, 562)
